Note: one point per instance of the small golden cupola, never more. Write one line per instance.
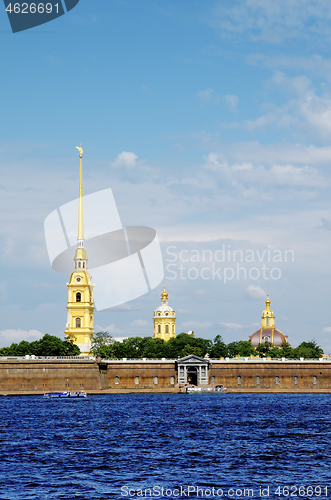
(164, 319)
(80, 288)
(268, 332)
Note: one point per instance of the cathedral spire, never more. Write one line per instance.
(80, 254)
(80, 235)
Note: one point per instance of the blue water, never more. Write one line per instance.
(116, 446)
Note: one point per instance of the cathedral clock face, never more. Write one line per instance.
(78, 279)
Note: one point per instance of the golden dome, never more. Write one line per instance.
(164, 294)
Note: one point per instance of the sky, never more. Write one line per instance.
(211, 123)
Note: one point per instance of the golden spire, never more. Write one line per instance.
(164, 294)
(80, 235)
(80, 253)
(267, 303)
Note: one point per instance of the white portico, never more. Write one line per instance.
(192, 369)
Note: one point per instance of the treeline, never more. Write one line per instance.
(184, 345)
(49, 345)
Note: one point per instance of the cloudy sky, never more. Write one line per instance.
(210, 122)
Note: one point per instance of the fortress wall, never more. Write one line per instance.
(145, 370)
(228, 373)
(50, 375)
(28, 376)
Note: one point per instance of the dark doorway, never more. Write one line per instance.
(192, 375)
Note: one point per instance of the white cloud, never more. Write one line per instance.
(315, 64)
(283, 175)
(327, 329)
(233, 326)
(196, 324)
(232, 101)
(273, 22)
(125, 159)
(207, 96)
(255, 292)
(9, 336)
(112, 329)
(140, 323)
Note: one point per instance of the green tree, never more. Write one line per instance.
(100, 341)
(219, 348)
(309, 350)
(245, 348)
(233, 349)
(264, 349)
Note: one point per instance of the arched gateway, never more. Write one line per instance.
(192, 370)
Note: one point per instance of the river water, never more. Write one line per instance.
(166, 446)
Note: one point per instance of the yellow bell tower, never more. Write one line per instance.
(80, 289)
(268, 318)
(164, 319)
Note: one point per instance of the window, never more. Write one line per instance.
(173, 328)
(136, 380)
(83, 264)
(167, 329)
(156, 380)
(257, 380)
(78, 264)
(239, 380)
(315, 380)
(277, 380)
(78, 322)
(159, 329)
(78, 297)
(213, 380)
(117, 380)
(172, 380)
(267, 322)
(296, 380)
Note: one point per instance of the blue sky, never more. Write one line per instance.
(225, 107)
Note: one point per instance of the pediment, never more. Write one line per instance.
(192, 359)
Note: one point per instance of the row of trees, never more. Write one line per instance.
(150, 348)
(183, 345)
(49, 345)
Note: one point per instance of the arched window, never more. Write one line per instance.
(83, 264)
(277, 380)
(78, 297)
(257, 380)
(173, 328)
(172, 380)
(158, 328)
(239, 380)
(315, 380)
(167, 329)
(213, 380)
(78, 264)
(267, 321)
(117, 380)
(136, 380)
(77, 322)
(156, 380)
(296, 380)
